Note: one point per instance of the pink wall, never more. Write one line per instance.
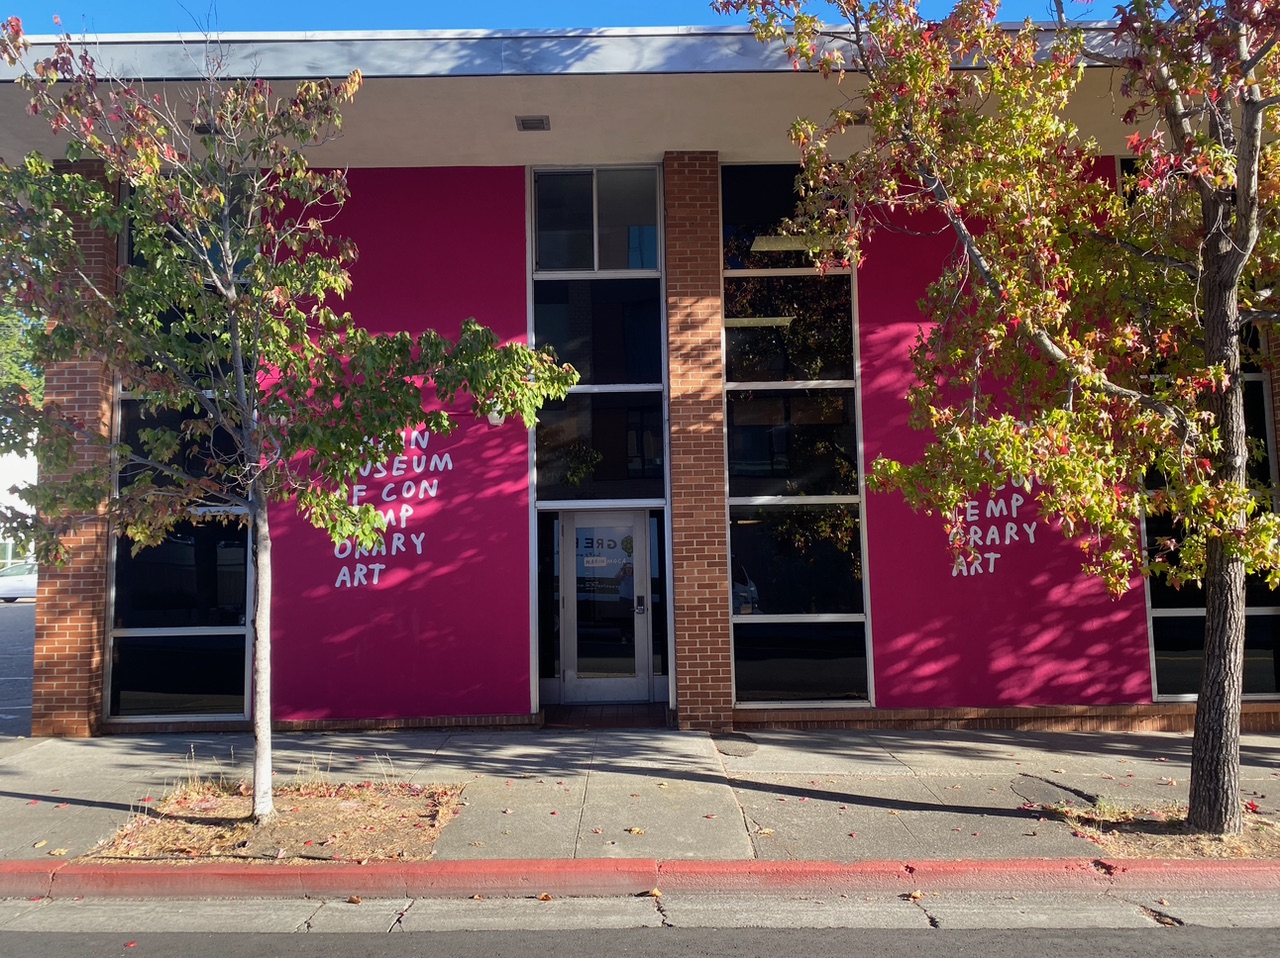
(1029, 628)
(445, 629)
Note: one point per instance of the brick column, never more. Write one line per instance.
(699, 518)
(71, 601)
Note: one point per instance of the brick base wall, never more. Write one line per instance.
(699, 520)
(1160, 717)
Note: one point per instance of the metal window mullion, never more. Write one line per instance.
(802, 271)
(604, 388)
(832, 500)
(790, 384)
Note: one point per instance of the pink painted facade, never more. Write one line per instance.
(1024, 627)
(444, 629)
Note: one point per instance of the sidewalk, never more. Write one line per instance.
(613, 812)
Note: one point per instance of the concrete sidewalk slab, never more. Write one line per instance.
(620, 812)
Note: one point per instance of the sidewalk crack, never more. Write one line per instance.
(397, 924)
(305, 924)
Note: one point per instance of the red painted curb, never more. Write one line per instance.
(1201, 875)
(1063, 874)
(612, 877)
(27, 879)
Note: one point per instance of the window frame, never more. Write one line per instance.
(657, 273)
(1155, 612)
(854, 500)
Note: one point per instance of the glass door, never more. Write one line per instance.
(605, 616)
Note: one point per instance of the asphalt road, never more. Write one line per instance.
(660, 943)
(17, 645)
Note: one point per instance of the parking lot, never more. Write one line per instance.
(17, 643)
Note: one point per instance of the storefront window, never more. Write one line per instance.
(780, 328)
(1178, 614)
(609, 330)
(601, 446)
(796, 586)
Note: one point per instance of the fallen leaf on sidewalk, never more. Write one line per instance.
(914, 895)
(712, 815)
(545, 897)
(353, 900)
(58, 852)
(597, 831)
(1058, 771)
(764, 831)
(652, 893)
(40, 844)
(633, 830)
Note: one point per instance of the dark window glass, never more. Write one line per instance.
(565, 215)
(196, 577)
(789, 560)
(548, 596)
(177, 675)
(792, 443)
(610, 330)
(1255, 427)
(628, 219)
(780, 328)
(197, 457)
(601, 446)
(798, 661)
(1257, 595)
(658, 593)
(754, 202)
(1179, 647)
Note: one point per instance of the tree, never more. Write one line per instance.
(222, 324)
(18, 369)
(1084, 337)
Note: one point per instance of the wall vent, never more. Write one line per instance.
(533, 124)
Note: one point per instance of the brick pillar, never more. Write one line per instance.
(699, 518)
(71, 601)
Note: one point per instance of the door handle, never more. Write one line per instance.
(639, 605)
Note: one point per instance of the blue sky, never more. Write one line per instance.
(165, 16)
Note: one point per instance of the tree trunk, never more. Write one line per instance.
(263, 806)
(1215, 750)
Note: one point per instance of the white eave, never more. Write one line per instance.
(436, 98)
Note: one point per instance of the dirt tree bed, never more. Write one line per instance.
(358, 821)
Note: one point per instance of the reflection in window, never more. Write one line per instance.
(792, 443)
(178, 675)
(1179, 653)
(1178, 614)
(195, 577)
(601, 445)
(606, 220)
(565, 220)
(797, 661)
(755, 200)
(780, 328)
(790, 560)
(197, 456)
(628, 219)
(609, 330)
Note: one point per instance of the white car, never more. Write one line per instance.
(18, 582)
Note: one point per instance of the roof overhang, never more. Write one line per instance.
(451, 98)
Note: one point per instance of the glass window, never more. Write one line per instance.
(565, 217)
(197, 456)
(610, 330)
(789, 560)
(628, 219)
(798, 661)
(605, 219)
(178, 675)
(755, 200)
(1179, 649)
(788, 328)
(792, 443)
(601, 446)
(196, 577)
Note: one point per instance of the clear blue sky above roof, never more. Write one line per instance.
(234, 16)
